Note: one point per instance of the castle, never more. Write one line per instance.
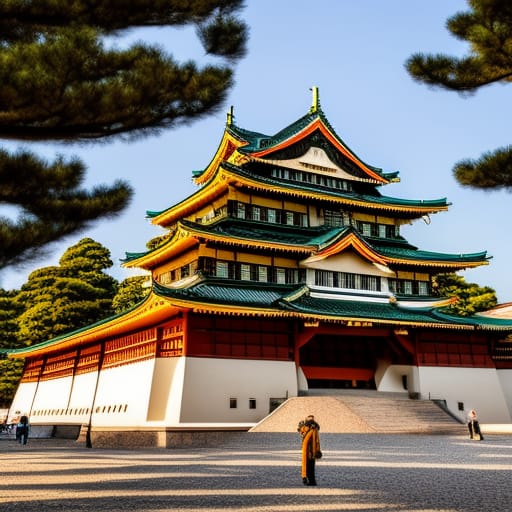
(284, 272)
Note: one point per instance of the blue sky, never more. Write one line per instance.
(354, 51)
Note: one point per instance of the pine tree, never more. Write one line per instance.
(10, 369)
(130, 292)
(64, 298)
(472, 298)
(60, 81)
(487, 27)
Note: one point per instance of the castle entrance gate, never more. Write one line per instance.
(338, 357)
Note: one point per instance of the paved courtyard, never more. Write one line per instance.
(259, 472)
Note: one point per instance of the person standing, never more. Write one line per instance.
(309, 431)
(474, 426)
(22, 430)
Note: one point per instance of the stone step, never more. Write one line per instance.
(352, 413)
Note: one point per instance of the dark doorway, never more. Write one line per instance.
(338, 362)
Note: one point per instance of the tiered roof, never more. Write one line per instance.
(316, 243)
(222, 296)
(235, 164)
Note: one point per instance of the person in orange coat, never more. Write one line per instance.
(308, 429)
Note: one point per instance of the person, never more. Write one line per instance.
(309, 431)
(474, 426)
(22, 430)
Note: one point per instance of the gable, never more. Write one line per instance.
(349, 261)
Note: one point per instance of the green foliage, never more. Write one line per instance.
(472, 298)
(63, 298)
(487, 27)
(10, 374)
(130, 292)
(51, 201)
(9, 311)
(60, 81)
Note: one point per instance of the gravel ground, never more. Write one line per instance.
(259, 472)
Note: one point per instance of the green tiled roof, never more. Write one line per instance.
(84, 329)
(267, 232)
(295, 298)
(309, 187)
(227, 291)
(265, 295)
(415, 254)
(258, 141)
(316, 238)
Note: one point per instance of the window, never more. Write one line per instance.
(271, 215)
(407, 287)
(280, 276)
(423, 288)
(221, 269)
(333, 218)
(256, 213)
(233, 404)
(240, 213)
(245, 272)
(262, 273)
(347, 280)
(252, 403)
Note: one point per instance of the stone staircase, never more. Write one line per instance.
(383, 413)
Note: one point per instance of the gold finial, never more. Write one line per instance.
(315, 105)
(230, 116)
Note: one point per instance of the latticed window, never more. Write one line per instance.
(333, 218)
(409, 287)
(245, 272)
(280, 276)
(423, 288)
(324, 278)
(221, 269)
(252, 272)
(366, 229)
(256, 213)
(240, 213)
(347, 280)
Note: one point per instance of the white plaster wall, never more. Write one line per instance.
(51, 398)
(52, 394)
(505, 377)
(477, 388)
(123, 395)
(166, 391)
(348, 262)
(302, 381)
(388, 378)
(22, 400)
(210, 383)
(83, 390)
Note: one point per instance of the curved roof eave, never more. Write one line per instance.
(315, 122)
(351, 238)
(230, 142)
(204, 195)
(152, 306)
(382, 203)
